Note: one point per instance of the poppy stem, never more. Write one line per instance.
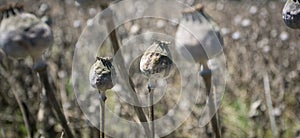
(151, 111)
(102, 99)
(206, 74)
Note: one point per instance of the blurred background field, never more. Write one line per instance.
(256, 41)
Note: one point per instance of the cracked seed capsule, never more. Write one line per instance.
(101, 74)
(156, 60)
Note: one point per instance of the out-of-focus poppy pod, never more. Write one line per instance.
(199, 34)
(23, 34)
(291, 14)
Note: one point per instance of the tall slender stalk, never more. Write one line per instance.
(151, 112)
(102, 99)
(269, 104)
(115, 43)
(3, 133)
(206, 74)
(43, 74)
(25, 118)
(12, 82)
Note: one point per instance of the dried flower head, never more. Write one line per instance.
(291, 14)
(22, 33)
(101, 74)
(196, 30)
(156, 60)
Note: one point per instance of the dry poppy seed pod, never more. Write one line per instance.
(156, 61)
(291, 14)
(206, 31)
(101, 74)
(22, 33)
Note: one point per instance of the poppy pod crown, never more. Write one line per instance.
(197, 8)
(11, 9)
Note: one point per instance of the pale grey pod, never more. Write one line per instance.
(291, 14)
(206, 42)
(23, 34)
